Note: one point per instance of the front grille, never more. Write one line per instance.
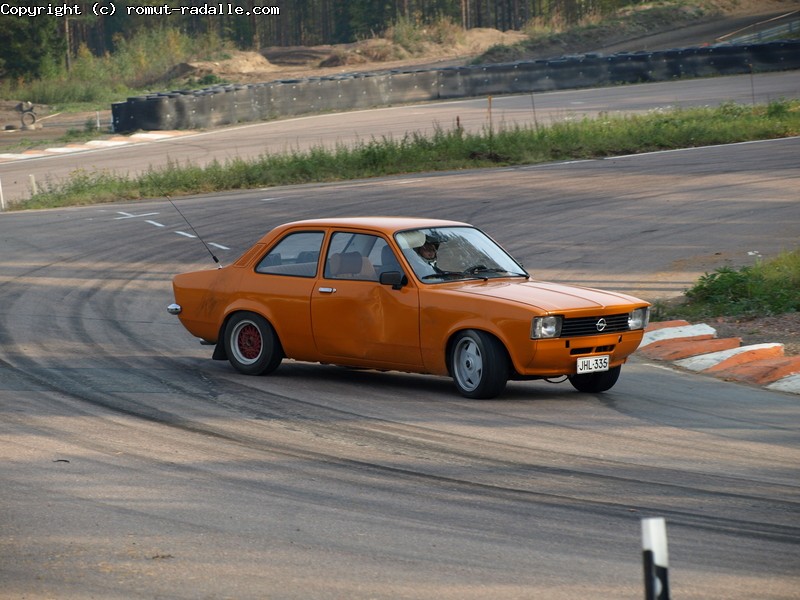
(591, 350)
(588, 325)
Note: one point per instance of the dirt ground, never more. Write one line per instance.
(374, 55)
(783, 329)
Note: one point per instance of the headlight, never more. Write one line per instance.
(639, 318)
(545, 327)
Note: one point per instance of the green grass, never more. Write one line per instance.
(443, 150)
(769, 287)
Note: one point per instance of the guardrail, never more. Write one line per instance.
(787, 30)
(229, 104)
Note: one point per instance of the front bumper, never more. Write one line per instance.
(559, 356)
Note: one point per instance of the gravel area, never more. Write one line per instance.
(783, 329)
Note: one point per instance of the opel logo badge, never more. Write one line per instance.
(601, 325)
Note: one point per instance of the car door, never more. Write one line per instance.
(357, 321)
(282, 283)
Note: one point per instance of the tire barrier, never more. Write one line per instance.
(229, 104)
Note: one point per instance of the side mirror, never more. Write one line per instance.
(396, 279)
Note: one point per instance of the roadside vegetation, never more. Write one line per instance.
(769, 287)
(451, 149)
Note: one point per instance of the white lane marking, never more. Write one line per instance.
(19, 156)
(126, 215)
(151, 136)
(693, 148)
(106, 143)
(66, 150)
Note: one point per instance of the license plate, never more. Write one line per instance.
(593, 364)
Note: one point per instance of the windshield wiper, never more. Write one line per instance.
(482, 269)
(472, 273)
(443, 274)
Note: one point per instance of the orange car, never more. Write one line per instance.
(405, 294)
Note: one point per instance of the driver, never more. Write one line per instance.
(429, 252)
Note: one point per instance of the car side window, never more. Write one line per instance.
(384, 258)
(296, 255)
(349, 256)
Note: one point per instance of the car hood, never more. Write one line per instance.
(547, 296)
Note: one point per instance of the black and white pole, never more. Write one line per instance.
(656, 559)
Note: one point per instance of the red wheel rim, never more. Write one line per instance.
(248, 342)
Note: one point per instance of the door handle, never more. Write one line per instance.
(327, 290)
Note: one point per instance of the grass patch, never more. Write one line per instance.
(443, 150)
(769, 287)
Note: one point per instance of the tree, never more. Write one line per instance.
(31, 47)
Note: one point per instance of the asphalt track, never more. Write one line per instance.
(477, 114)
(133, 466)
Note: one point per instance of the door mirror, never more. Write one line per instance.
(396, 279)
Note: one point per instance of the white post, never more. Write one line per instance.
(33, 185)
(2, 199)
(656, 559)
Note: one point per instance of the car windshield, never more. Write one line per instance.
(446, 253)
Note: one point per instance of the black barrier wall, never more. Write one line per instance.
(227, 104)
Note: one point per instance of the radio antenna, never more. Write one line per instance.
(197, 235)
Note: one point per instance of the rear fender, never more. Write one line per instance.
(237, 307)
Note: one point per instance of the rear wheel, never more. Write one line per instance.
(594, 383)
(479, 364)
(252, 346)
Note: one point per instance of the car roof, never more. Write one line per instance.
(385, 224)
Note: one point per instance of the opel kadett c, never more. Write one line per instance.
(406, 294)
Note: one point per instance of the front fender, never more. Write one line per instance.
(440, 321)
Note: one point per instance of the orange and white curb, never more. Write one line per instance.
(113, 142)
(697, 348)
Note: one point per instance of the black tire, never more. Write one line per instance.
(594, 383)
(478, 364)
(251, 344)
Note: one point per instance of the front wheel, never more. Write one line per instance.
(479, 364)
(594, 383)
(252, 346)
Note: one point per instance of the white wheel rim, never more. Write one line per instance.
(468, 364)
(247, 342)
